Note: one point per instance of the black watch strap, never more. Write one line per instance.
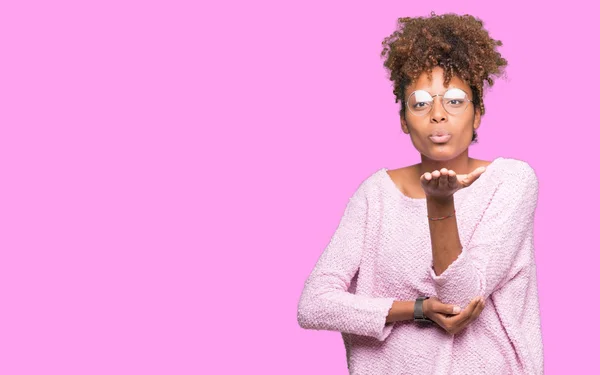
(418, 313)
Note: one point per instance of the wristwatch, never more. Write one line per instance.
(418, 314)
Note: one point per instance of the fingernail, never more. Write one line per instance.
(456, 309)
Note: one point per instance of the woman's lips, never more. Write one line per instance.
(440, 138)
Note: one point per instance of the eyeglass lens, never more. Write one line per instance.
(454, 101)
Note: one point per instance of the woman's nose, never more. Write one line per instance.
(438, 113)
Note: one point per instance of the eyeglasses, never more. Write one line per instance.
(454, 101)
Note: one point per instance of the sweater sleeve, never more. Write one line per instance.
(501, 246)
(325, 303)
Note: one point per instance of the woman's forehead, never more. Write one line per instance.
(436, 83)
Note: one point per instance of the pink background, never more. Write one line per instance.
(171, 173)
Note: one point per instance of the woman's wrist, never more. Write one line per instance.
(427, 308)
(400, 311)
(440, 206)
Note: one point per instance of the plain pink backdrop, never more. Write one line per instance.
(171, 172)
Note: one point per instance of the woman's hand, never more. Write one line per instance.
(443, 314)
(445, 182)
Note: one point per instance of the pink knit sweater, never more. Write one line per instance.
(381, 252)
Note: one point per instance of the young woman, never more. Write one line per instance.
(432, 267)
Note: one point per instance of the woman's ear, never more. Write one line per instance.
(477, 120)
(403, 123)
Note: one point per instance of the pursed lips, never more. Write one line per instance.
(439, 133)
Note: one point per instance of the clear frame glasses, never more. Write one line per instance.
(454, 101)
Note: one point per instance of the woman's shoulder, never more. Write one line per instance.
(517, 169)
(371, 184)
(515, 179)
(372, 180)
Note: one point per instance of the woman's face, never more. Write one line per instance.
(459, 126)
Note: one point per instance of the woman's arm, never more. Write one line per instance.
(499, 259)
(325, 303)
(500, 247)
(445, 241)
(449, 317)
(401, 310)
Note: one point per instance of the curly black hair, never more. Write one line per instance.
(457, 43)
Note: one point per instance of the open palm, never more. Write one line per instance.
(445, 182)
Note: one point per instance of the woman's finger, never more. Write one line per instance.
(444, 308)
(468, 311)
(479, 307)
(452, 180)
(450, 322)
(435, 181)
(443, 180)
(478, 310)
(471, 307)
(471, 177)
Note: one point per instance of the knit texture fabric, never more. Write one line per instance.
(381, 252)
